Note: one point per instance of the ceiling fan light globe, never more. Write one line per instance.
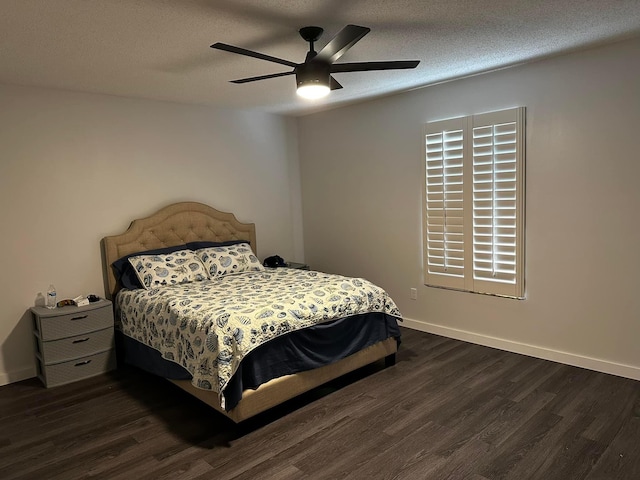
(313, 90)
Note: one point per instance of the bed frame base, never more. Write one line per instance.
(390, 360)
(280, 389)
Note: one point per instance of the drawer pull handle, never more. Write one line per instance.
(80, 318)
(81, 340)
(86, 362)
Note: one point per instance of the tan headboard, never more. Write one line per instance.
(173, 225)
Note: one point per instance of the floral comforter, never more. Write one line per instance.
(209, 326)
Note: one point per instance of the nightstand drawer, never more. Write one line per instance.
(73, 370)
(57, 351)
(75, 322)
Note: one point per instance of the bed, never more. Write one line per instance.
(238, 355)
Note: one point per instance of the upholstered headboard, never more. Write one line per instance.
(173, 225)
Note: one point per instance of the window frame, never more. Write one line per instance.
(440, 251)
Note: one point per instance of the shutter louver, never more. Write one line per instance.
(444, 204)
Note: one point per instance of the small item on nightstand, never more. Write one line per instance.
(51, 297)
(40, 300)
(298, 266)
(93, 298)
(66, 303)
(81, 301)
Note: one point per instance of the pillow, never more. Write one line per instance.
(125, 273)
(161, 270)
(230, 259)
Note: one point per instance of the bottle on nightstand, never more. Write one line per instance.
(51, 297)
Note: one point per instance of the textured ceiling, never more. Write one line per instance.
(159, 49)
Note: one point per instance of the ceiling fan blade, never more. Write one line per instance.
(343, 41)
(334, 85)
(262, 77)
(251, 53)
(367, 66)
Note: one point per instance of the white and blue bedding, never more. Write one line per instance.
(209, 326)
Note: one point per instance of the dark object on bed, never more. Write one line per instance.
(274, 262)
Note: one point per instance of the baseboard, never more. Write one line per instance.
(16, 376)
(589, 363)
(598, 365)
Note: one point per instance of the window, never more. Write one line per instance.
(473, 217)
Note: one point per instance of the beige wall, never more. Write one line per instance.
(361, 184)
(77, 167)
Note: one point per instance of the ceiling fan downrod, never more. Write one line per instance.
(311, 35)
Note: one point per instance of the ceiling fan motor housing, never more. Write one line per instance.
(313, 73)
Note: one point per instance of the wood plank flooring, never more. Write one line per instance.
(446, 410)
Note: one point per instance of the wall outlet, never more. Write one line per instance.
(414, 294)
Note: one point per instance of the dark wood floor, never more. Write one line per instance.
(446, 410)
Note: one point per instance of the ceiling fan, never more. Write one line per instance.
(313, 76)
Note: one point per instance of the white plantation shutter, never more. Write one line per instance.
(444, 203)
(474, 203)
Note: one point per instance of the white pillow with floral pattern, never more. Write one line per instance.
(230, 259)
(173, 268)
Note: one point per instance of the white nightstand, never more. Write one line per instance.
(73, 343)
